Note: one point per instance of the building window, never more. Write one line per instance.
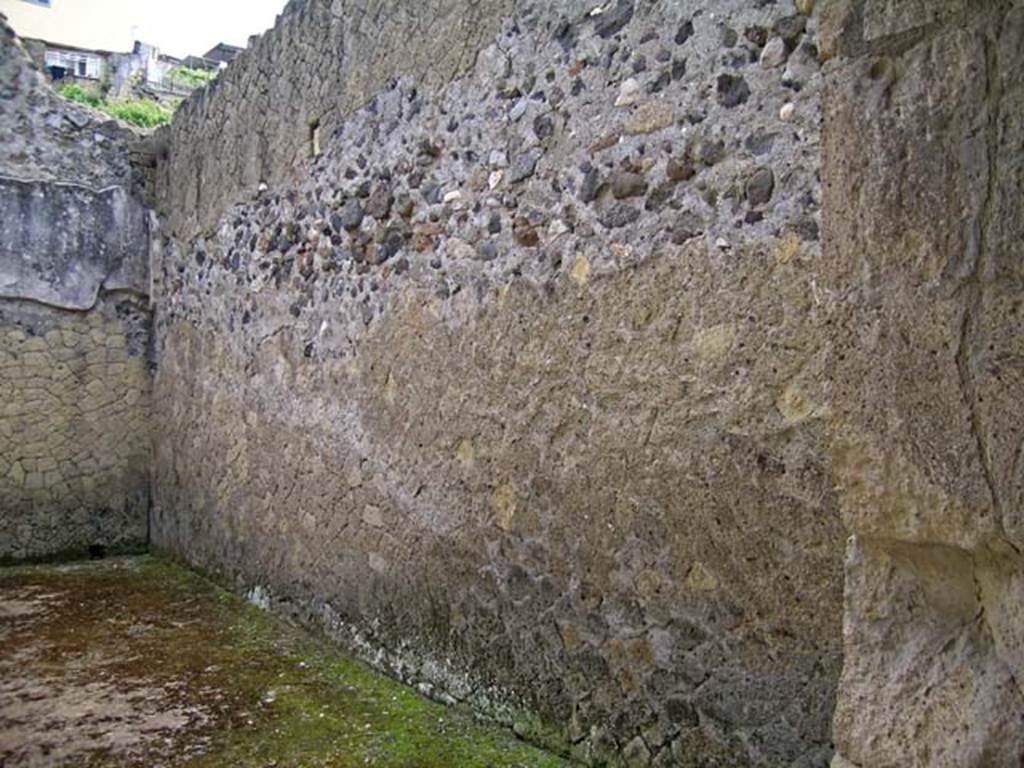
(75, 63)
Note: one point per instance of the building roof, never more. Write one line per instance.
(222, 52)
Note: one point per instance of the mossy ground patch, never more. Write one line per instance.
(137, 662)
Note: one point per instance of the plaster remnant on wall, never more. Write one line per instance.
(75, 377)
(61, 244)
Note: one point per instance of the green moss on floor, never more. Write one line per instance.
(187, 674)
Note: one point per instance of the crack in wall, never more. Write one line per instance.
(979, 275)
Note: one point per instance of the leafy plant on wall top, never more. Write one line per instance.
(191, 78)
(143, 113)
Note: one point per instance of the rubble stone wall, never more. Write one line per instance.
(74, 324)
(259, 121)
(518, 385)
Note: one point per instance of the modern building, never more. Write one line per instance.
(75, 41)
(222, 53)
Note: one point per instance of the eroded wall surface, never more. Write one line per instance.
(74, 324)
(520, 388)
(325, 58)
(923, 137)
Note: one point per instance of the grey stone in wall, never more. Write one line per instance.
(537, 389)
(255, 123)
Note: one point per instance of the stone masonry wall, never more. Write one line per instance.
(74, 446)
(924, 172)
(74, 324)
(518, 385)
(259, 121)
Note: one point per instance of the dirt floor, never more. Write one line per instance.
(136, 662)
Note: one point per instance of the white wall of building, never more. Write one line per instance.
(106, 25)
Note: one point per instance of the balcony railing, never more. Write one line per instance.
(169, 85)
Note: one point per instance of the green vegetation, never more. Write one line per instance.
(143, 113)
(79, 95)
(190, 78)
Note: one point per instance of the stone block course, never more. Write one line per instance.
(922, 176)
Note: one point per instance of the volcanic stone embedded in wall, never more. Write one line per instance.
(325, 59)
(519, 389)
(922, 175)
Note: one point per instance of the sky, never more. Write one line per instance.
(192, 27)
